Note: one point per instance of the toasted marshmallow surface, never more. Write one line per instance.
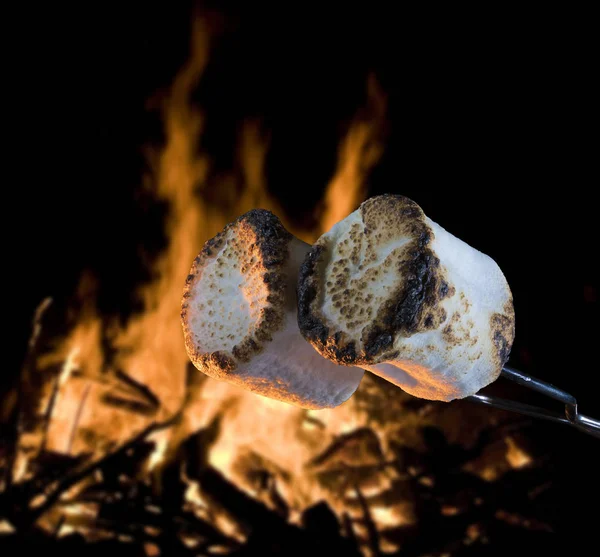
(389, 290)
(239, 316)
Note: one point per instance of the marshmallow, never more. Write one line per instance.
(389, 290)
(239, 316)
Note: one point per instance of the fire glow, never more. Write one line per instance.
(283, 459)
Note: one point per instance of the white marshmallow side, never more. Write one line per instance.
(390, 291)
(290, 370)
(446, 364)
(230, 335)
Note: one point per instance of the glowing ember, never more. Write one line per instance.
(490, 473)
(6, 527)
(80, 509)
(66, 530)
(516, 456)
(450, 510)
(229, 527)
(20, 466)
(161, 443)
(388, 547)
(37, 501)
(152, 550)
(193, 494)
(399, 514)
(189, 541)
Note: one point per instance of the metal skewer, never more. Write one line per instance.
(571, 416)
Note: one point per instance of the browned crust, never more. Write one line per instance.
(413, 307)
(502, 333)
(272, 242)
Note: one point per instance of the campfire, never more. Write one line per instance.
(113, 441)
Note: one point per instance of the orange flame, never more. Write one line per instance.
(150, 348)
(150, 353)
(358, 153)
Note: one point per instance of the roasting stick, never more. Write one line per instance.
(571, 415)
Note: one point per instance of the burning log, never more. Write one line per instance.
(140, 389)
(244, 510)
(322, 524)
(360, 447)
(34, 505)
(18, 425)
(130, 509)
